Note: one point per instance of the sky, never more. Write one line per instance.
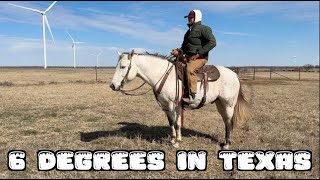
(255, 33)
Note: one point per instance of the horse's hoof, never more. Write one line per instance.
(224, 146)
(175, 145)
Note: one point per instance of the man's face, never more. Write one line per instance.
(190, 20)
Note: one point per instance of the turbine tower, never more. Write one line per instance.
(97, 56)
(294, 60)
(44, 21)
(74, 49)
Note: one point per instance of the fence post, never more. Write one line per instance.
(96, 74)
(254, 72)
(299, 73)
(270, 72)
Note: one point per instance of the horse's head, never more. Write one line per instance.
(125, 71)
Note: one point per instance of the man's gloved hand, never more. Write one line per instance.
(194, 57)
(175, 52)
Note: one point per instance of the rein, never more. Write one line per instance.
(163, 79)
(125, 91)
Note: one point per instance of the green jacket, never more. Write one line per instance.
(199, 40)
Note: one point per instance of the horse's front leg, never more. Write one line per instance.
(171, 121)
(178, 123)
(175, 124)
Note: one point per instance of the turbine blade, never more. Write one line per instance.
(70, 37)
(45, 18)
(79, 42)
(34, 10)
(50, 7)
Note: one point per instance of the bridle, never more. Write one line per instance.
(125, 80)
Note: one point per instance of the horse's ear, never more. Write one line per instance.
(131, 54)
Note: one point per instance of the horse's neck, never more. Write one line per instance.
(152, 69)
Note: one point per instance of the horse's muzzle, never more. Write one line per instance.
(112, 87)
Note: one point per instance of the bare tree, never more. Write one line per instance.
(307, 67)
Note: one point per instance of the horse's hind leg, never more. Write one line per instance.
(226, 112)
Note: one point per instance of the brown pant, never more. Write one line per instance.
(192, 67)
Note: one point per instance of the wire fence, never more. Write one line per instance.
(277, 72)
(57, 75)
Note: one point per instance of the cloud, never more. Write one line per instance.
(63, 17)
(28, 51)
(15, 44)
(126, 26)
(297, 10)
(92, 10)
(133, 26)
(229, 6)
(136, 22)
(235, 33)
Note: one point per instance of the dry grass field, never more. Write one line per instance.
(66, 109)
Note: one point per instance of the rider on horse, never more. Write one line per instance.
(197, 43)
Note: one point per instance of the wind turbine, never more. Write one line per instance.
(295, 61)
(44, 21)
(74, 49)
(97, 56)
(317, 61)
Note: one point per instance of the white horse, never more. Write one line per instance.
(225, 92)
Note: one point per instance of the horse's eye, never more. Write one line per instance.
(122, 67)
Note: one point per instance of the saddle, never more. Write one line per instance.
(207, 73)
(212, 72)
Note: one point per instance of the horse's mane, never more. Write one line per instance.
(153, 55)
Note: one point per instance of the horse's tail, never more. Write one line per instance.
(241, 109)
